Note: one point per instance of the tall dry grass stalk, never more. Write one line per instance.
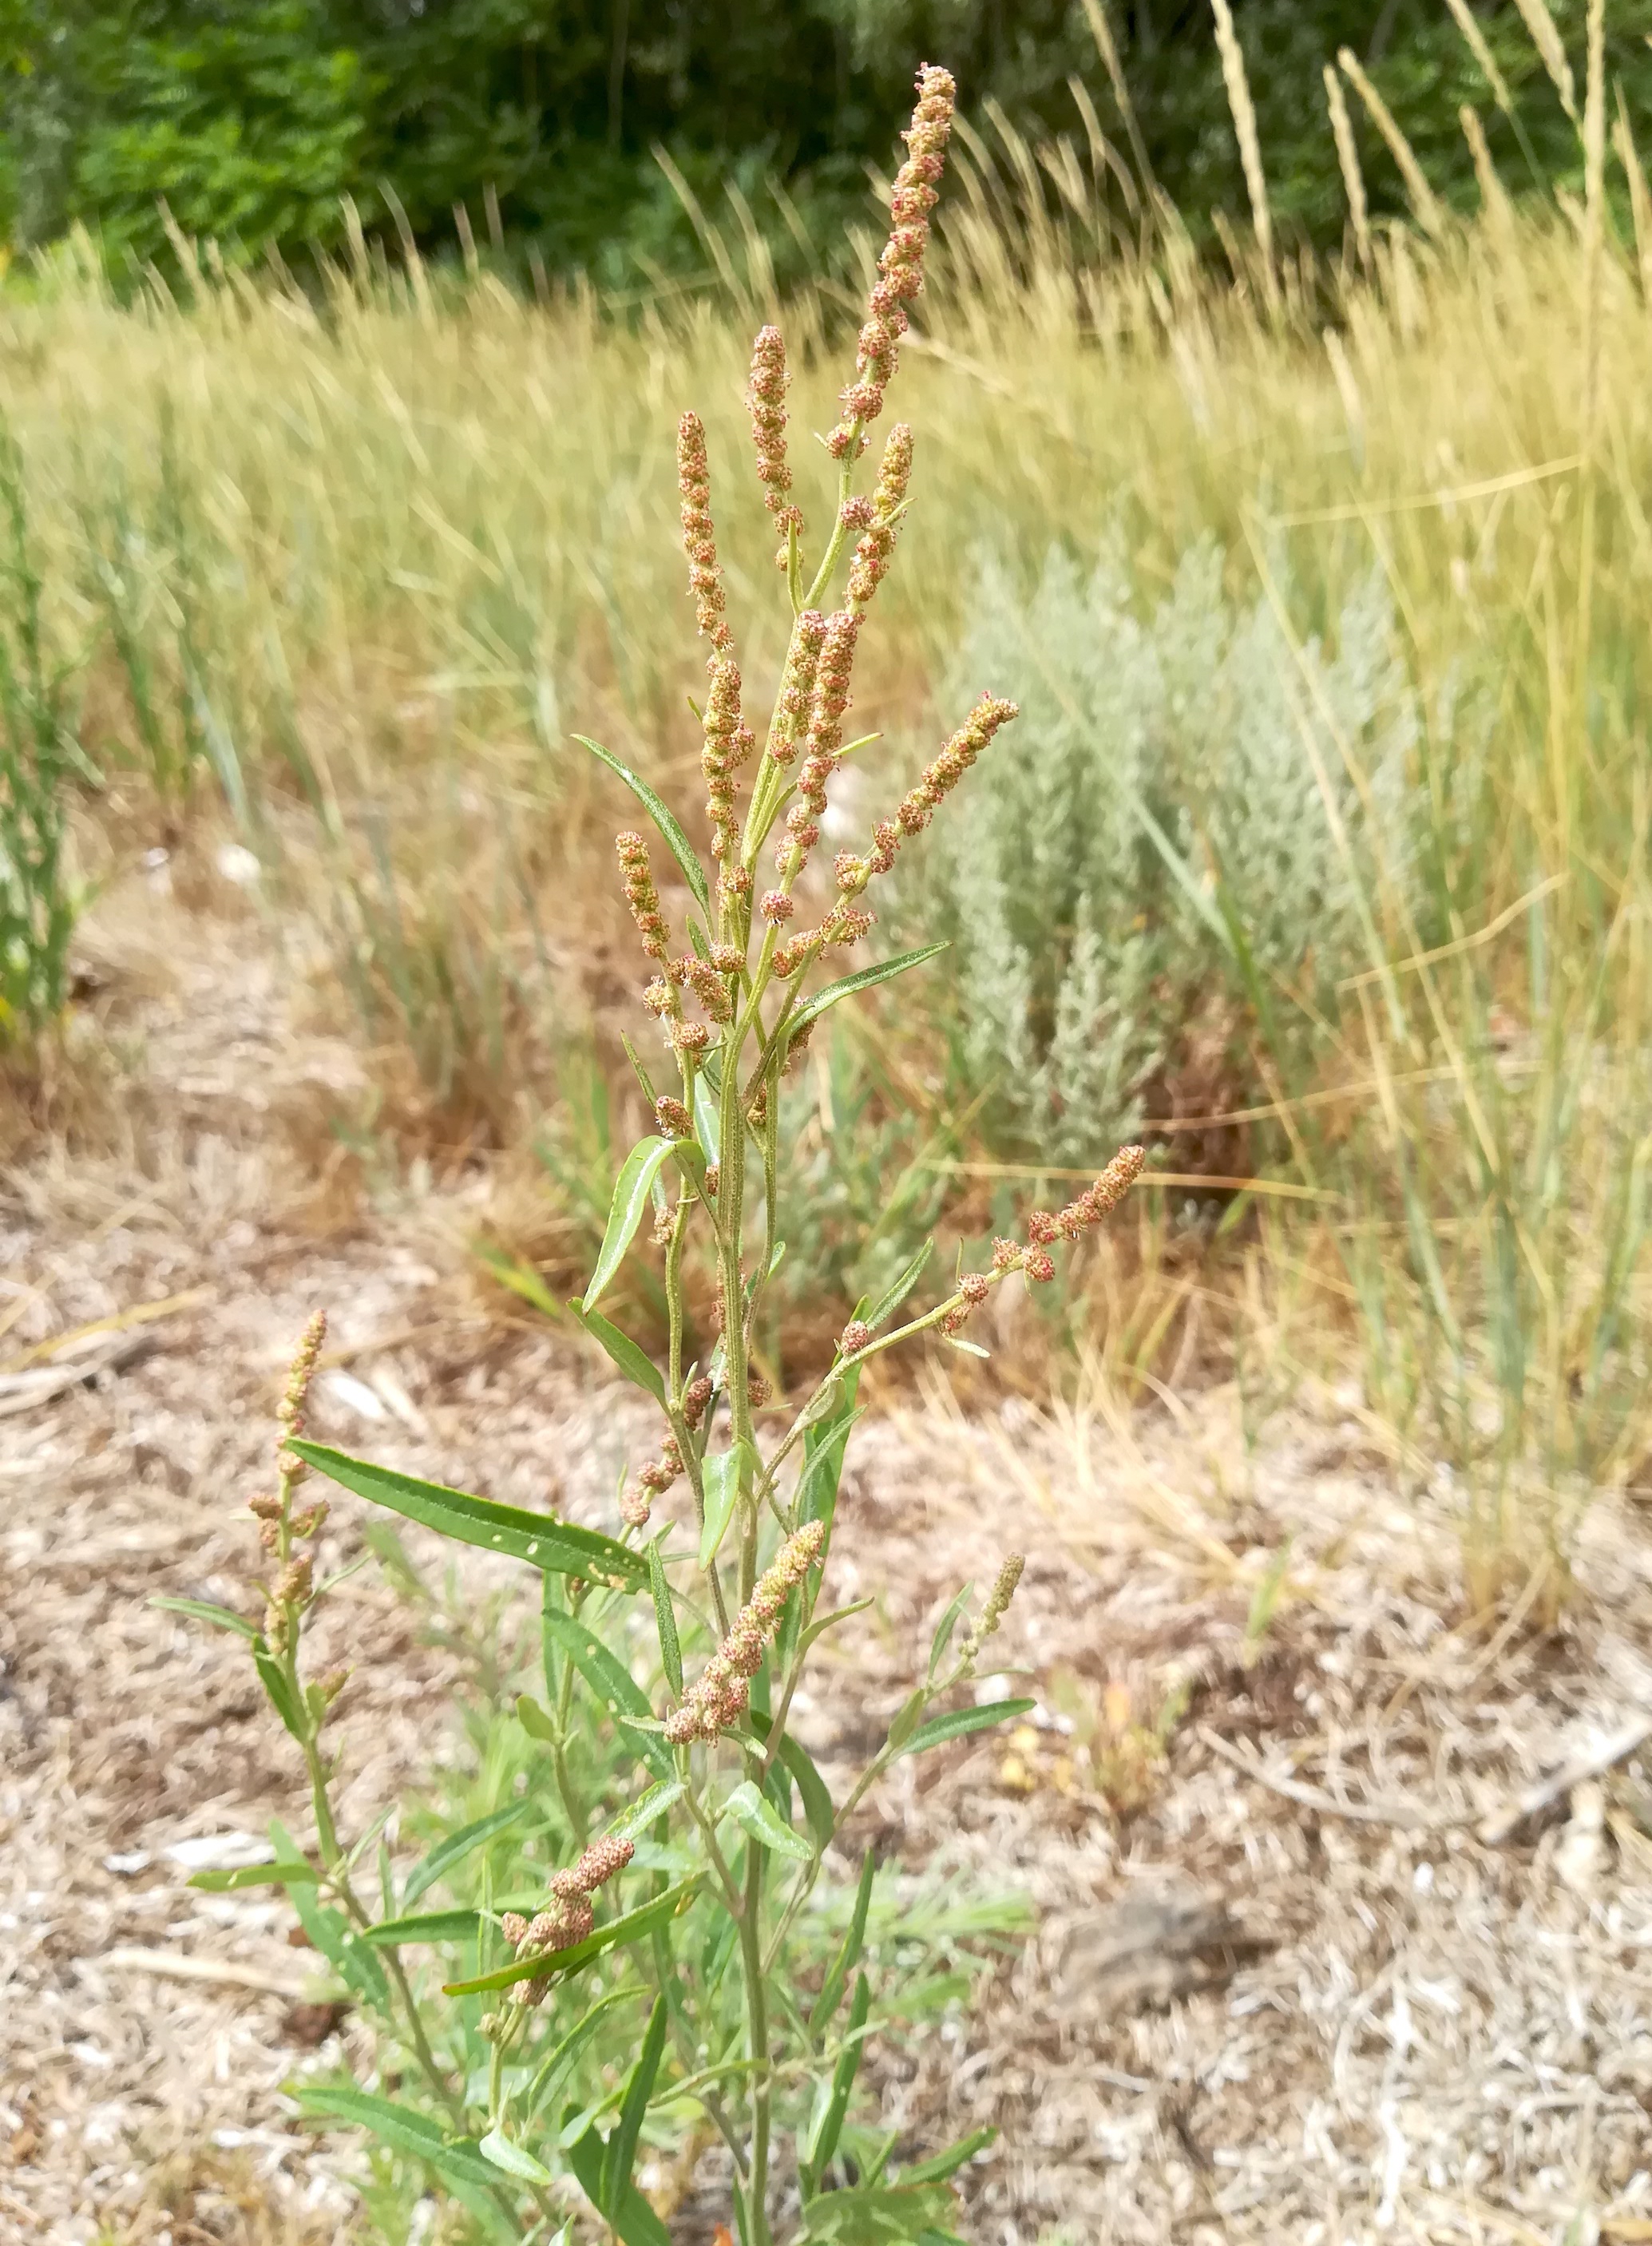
(1546, 39)
(1349, 163)
(1462, 16)
(1431, 215)
(1250, 147)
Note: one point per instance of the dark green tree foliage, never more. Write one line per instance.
(252, 119)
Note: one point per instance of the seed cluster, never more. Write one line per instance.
(797, 688)
(728, 739)
(279, 1526)
(650, 1483)
(568, 1918)
(719, 1698)
(876, 550)
(918, 806)
(900, 267)
(641, 895)
(1043, 1229)
(766, 396)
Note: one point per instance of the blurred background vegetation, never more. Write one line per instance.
(1305, 515)
(557, 123)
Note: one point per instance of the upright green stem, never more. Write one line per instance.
(757, 2015)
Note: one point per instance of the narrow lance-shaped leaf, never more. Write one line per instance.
(670, 834)
(453, 1850)
(646, 1810)
(866, 979)
(273, 1678)
(297, 1872)
(622, 2146)
(848, 1956)
(636, 1364)
(613, 1684)
(548, 2080)
(756, 1815)
(721, 1479)
(626, 1210)
(633, 2222)
(203, 1610)
(497, 2148)
(666, 1620)
(824, 2139)
(893, 1296)
(557, 1547)
(400, 2126)
(959, 1724)
(948, 2163)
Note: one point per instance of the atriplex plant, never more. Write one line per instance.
(750, 2030)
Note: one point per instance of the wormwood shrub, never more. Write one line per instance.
(1169, 849)
(38, 759)
(677, 1928)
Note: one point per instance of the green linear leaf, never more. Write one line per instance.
(614, 1685)
(866, 979)
(633, 2222)
(447, 1853)
(895, 1296)
(816, 1795)
(297, 1871)
(646, 1810)
(960, 1723)
(273, 1678)
(633, 1927)
(399, 2127)
(557, 2065)
(635, 1363)
(497, 2148)
(759, 1816)
(708, 1122)
(670, 834)
(622, 2146)
(666, 1620)
(823, 2140)
(626, 1208)
(721, 1479)
(521, 1278)
(848, 1956)
(424, 1926)
(556, 1546)
(948, 2163)
(876, 2215)
(203, 1610)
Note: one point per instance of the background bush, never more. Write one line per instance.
(252, 118)
(1154, 860)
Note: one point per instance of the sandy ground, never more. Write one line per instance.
(1311, 2003)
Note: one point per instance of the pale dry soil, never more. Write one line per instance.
(1241, 2015)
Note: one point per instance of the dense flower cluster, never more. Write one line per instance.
(876, 548)
(699, 540)
(796, 700)
(650, 1483)
(1043, 1229)
(918, 806)
(900, 267)
(568, 1918)
(640, 893)
(720, 1696)
(765, 395)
